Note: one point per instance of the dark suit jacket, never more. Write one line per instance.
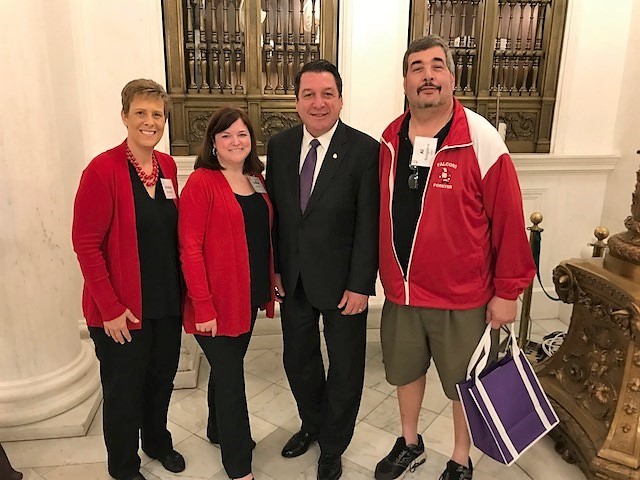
(333, 246)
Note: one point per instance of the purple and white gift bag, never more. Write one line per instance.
(506, 409)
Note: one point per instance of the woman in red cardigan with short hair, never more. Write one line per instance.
(125, 236)
(225, 248)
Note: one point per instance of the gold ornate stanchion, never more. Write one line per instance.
(593, 380)
(599, 246)
(525, 313)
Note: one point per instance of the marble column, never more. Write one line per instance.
(49, 382)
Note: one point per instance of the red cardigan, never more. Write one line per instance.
(105, 239)
(215, 256)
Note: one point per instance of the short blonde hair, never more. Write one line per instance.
(143, 87)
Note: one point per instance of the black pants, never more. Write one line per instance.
(228, 422)
(137, 381)
(327, 405)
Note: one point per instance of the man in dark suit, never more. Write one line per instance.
(322, 178)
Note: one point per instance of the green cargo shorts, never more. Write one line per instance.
(412, 336)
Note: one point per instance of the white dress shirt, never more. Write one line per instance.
(324, 140)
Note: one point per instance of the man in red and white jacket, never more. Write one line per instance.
(454, 255)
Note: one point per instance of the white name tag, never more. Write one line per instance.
(257, 184)
(167, 187)
(424, 151)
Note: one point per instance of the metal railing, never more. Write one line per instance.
(535, 233)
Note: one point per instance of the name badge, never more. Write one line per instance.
(257, 185)
(424, 151)
(167, 187)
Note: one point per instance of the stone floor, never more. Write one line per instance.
(274, 418)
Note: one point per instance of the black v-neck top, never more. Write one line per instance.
(256, 227)
(157, 231)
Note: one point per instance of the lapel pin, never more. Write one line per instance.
(335, 155)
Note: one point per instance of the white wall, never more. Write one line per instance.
(115, 41)
(373, 37)
(627, 134)
(591, 82)
(39, 280)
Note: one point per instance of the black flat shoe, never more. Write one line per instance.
(298, 444)
(173, 462)
(329, 466)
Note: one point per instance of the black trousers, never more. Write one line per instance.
(228, 422)
(137, 381)
(327, 405)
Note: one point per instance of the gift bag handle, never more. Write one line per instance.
(480, 357)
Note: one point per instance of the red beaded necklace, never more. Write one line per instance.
(148, 179)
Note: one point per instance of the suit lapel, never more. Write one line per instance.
(336, 151)
(292, 169)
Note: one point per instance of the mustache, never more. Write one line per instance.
(428, 85)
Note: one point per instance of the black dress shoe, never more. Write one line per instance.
(329, 466)
(173, 462)
(298, 444)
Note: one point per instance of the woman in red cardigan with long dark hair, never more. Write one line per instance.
(125, 236)
(225, 249)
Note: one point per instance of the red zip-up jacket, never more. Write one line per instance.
(470, 242)
(215, 255)
(104, 236)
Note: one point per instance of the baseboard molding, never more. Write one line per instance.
(272, 326)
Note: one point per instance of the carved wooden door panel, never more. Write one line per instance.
(505, 51)
(243, 53)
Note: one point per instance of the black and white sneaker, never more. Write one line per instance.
(403, 458)
(455, 471)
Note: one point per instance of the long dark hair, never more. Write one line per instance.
(219, 122)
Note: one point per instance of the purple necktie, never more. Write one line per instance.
(306, 174)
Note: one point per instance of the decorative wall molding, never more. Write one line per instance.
(529, 163)
(541, 163)
(272, 326)
(274, 122)
(189, 363)
(533, 200)
(521, 126)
